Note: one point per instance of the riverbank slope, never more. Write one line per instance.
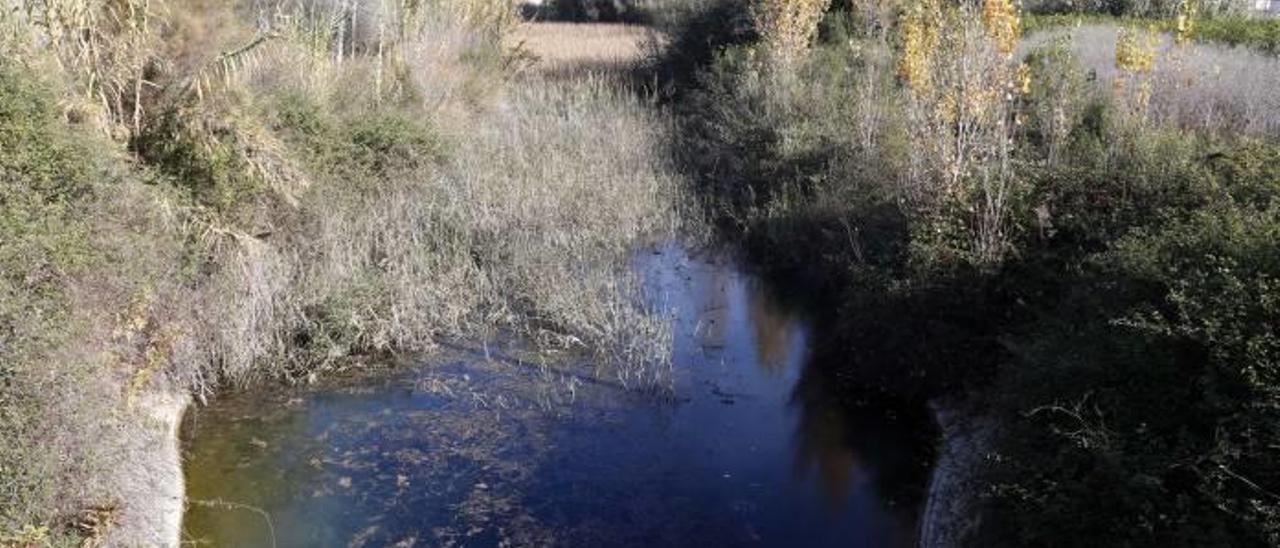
(261, 214)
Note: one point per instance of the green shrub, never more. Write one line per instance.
(1145, 407)
(392, 142)
(1260, 33)
(302, 118)
(46, 177)
(1058, 96)
(365, 146)
(630, 11)
(204, 154)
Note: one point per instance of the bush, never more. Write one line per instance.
(1260, 33)
(388, 143)
(43, 176)
(206, 155)
(1146, 403)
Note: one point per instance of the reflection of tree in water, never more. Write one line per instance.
(823, 442)
(772, 329)
(851, 431)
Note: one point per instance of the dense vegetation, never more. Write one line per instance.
(1092, 267)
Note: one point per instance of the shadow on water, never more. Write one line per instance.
(479, 448)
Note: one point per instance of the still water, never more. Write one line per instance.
(474, 448)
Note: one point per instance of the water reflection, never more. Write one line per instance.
(822, 442)
(847, 436)
(760, 446)
(773, 331)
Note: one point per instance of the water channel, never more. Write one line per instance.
(474, 447)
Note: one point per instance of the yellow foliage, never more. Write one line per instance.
(933, 39)
(1003, 22)
(920, 41)
(1136, 59)
(1136, 51)
(1024, 79)
(787, 27)
(1186, 21)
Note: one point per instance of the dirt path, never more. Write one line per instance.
(949, 514)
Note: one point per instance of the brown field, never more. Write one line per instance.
(569, 47)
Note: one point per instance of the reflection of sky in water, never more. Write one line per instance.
(467, 452)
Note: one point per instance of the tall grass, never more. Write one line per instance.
(406, 231)
(106, 47)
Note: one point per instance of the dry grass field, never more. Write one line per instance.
(569, 47)
(1212, 88)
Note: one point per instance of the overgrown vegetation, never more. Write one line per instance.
(1077, 231)
(1077, 249)
(344, 179)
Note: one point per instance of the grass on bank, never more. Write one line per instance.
(1257, 33)
(353, 179)
(1125, 336)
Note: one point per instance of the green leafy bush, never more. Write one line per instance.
(204, 154)
(1144, 408)
(613, 11)
(388, 143)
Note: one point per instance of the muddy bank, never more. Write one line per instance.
(950, 513)
(149, 483)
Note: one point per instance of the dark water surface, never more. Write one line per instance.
(467, 450)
